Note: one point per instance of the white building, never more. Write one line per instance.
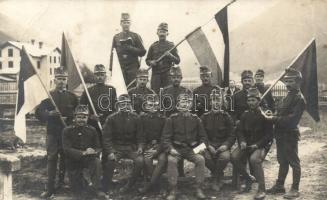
(44, 58)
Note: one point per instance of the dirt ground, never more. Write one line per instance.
(30, 181)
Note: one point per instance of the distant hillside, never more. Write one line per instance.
(4, 37)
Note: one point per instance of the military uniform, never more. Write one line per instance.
(269, 99)
(66, 103)
(160, 72)
(122, 134)
(128, 54)
(219, 128)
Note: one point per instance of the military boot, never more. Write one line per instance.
(47, 194)
(172, 194)
(248, 183)
(260, 195)
(200, 194)
(292, 194)
(278, 188)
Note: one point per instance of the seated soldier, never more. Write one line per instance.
(82, 147)
(182, 132)
(153, 123)
(123, 138)
(254, 134)
(219, 127)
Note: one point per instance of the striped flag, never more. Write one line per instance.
(210, 44)
(117, 80)
(31, 92)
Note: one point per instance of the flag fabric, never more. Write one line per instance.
(31, 92)
(210, 44)
(117, 79)
(68, 62)
(306, 63)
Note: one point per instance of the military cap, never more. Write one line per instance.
(163, 26)
(253, 92)
(125, 17)
(292, 73)
(175, 71)
(124, 98)
(142, 73)
(247, 74)
(82, 110)
(99, 68)
(204, 70)
(260, 72)
(60, 72)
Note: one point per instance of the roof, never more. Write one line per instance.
(33, 50)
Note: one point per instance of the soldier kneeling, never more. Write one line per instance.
(82, 147)
(254, 134)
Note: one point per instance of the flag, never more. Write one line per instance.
(68, 62)
(210, 44)
(31, 92)
(306, 63)
(117, 80)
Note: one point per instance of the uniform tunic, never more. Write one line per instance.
(138, 97)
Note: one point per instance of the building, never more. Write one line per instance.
(44, 58)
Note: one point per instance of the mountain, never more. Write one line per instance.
(4, 37)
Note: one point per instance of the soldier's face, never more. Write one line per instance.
(258, 79)
(100, 77)
(125, 106)
(247, 83)
(216, 104)
(291, 83)
(142, 81)
(184, 105)
(205, 78)
(231, 84)
(162, 34)
(61, 82)
(125, 25)
(176, 80)
(253, 102)
(152, 107)
(81, 119)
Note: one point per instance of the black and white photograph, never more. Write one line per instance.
(163, 99)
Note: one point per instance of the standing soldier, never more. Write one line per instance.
(153, 122)
(82, 147)
(182, 132)
(229, 96)
(262, 87)
(129, 47)
(254, 135)
(46, 112)
(140, 92)
(160, 70)
(289, 113)
(219, 127)
(123, 138)
(202, 93)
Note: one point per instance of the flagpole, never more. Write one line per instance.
(288, 67)
(49, 95)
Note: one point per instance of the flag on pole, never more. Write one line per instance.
(30, 94)
(210, 44)
(117, 79)
(306, 63)
(68, 62)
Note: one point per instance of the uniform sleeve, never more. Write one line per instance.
(240, 129)
(149, 56)
(96, 142)
(268, 134)
(42, 110)
(140, 134)
(114, 99)
(202, 133)
(167, 133)
(177, 59)
(231, 131)
(68, 147)
(138, 49)
(107, 136)
(83, 100)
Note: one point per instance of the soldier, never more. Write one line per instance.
(160, 70)
(254, 135)
(229, 96)
(153, 123)
(286, 120)
(219, 127)
(262, 87)
(129, 47)
(202, 93)
(103, 97)
(46, 112)
(140, 92)
(182, 132)
(123, 138)
(82, 147)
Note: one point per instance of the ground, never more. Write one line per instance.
(30, 181)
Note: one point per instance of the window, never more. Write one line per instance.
(0, 65)
(50, 71)
(50, 59)
(38, 64)
(54, 59)
(10, 64)
(10, 52)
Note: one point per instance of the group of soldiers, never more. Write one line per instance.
(169, 123)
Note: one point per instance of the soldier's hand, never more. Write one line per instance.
(253, 147)
(243, 145)
(168, 54)
(139, 150)
(53, 113)
(153, 63)
(222, 148)
(90, 151)
(112, 156)
(173, 152)
(212, 150)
